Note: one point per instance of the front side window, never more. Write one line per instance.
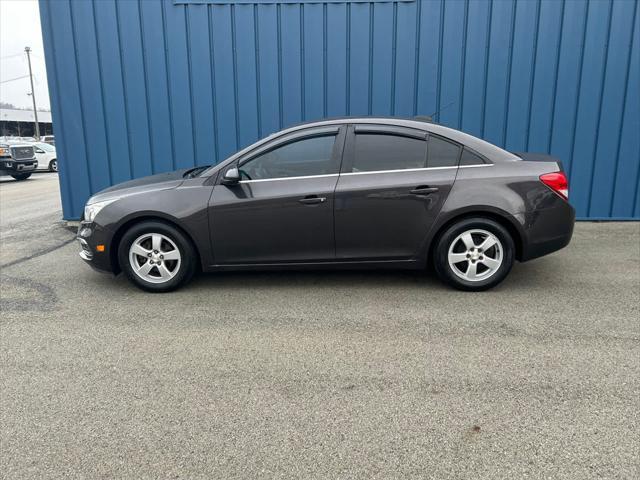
(442, 153)
(378, 151)
(307, 157)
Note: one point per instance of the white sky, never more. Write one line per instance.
(20, 27)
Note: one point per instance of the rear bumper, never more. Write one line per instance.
(89, 236)
(547, 230)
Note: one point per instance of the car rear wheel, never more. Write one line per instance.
(21, 176)
(474, 254)
(156, 256)
(53, 165)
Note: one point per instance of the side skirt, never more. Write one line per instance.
(350, 265)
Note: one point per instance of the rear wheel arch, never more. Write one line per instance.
(497, 216)
(122, 229)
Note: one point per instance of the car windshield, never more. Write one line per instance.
(46, 147)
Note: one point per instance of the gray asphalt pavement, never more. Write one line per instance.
(316, 375)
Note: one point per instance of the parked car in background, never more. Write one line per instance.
(50, 139)
(345, 193)
(17, 160)
(46, 156)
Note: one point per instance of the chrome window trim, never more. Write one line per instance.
(289, 178)
(476, 166)
(413, 169)
(360, 173)
(398, 170)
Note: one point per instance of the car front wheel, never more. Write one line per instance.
(53, 165)
(474, 254)
(157, 257)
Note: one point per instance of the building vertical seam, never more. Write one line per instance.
(146, 89)
(555, 81)
(486, 66)
(507, 98)
(463, 62)
(532, 78)
(168, 80)
(575, 111)
(104, 111)
(82, 114)
(622, 115)
(596, 135)
(214, 106)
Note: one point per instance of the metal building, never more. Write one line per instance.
(145, 86)
(21, 123)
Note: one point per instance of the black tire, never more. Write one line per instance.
(53, 165)
(21, 176)
(444, 242)
(188, 261)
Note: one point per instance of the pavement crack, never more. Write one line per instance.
(36, 255)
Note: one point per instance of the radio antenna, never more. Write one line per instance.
(441, 109)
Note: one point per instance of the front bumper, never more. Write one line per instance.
(89, 236)
(9, 166)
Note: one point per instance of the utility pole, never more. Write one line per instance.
(33, 95)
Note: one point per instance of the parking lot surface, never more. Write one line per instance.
(315, 374)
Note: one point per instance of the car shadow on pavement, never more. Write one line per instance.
(316, 278)
(534, 275)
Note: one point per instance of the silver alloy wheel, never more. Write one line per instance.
(154, 257)
(53, 166)
(475, 255)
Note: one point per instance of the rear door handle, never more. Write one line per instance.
(424, 190)
(312, 200)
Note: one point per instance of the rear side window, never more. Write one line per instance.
(306, 157)
(470, 158)
(379, 151)
(442, 153)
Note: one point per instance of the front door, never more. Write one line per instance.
(281, 211)
(390, 191)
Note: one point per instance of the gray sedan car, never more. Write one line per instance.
(345, 193)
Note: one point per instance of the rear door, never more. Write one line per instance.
(282, 209)
(392, 186)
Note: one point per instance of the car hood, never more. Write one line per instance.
(162, 181)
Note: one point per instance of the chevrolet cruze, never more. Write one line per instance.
(346, 193)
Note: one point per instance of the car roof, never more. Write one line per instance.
(493, 152)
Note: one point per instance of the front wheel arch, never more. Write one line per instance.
(117, 237)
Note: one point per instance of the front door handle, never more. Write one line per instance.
(312, 200)
(424, 190)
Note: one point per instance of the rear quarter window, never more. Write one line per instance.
(442, 153)
(470, 158)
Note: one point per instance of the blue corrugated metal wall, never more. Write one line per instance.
(141, 87)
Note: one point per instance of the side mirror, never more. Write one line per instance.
(231, 176)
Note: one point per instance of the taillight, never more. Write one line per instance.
(557, 182)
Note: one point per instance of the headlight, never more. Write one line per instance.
(90, 211)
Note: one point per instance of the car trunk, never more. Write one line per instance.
(539, 157)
